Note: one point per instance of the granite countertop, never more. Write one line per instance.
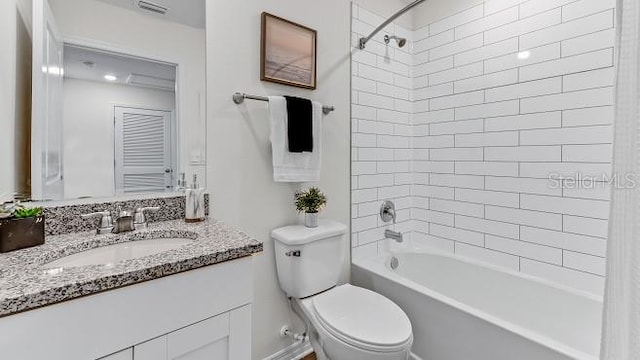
(26, 284)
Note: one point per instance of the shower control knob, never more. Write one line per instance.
(294, 253)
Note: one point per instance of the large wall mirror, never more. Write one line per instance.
(117, 102)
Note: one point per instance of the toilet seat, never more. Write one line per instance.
(363, 319)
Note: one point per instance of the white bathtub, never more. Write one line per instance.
(464, 310)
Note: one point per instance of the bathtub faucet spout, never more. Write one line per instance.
(395, 235)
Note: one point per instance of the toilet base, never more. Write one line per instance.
(328, 347)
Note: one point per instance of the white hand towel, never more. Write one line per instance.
(287, 166)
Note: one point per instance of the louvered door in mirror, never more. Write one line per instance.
(143, 150)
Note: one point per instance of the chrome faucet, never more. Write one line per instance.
(388, 213)
(126, 221)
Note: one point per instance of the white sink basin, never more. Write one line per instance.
(110, 254)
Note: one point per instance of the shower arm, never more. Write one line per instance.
(363, 40)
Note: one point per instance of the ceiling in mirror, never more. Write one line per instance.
(187, 12)
(90, 64)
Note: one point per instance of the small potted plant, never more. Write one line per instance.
(310, 201)
(21, 227)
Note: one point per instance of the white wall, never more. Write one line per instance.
(240, 177)
(15, 19)
(89, 131)
(385, 8)
(382, 130)
(142, 35)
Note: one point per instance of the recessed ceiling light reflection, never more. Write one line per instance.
(110, 78)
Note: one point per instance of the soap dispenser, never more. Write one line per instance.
(194, 202)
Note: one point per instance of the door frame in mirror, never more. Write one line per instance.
(179, 91)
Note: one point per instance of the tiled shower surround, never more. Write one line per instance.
(505, 98)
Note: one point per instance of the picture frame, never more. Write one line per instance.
(288, 52)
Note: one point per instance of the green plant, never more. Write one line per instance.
(310, 201)
(27, 212)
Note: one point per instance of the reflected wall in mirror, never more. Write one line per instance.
(117, 99)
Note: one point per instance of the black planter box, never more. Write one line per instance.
(21, 233)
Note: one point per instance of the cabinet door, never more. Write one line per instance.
(126, 354)
(226, 336)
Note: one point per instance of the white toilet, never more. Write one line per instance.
(345, 322)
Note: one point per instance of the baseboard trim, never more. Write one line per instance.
(294, 351)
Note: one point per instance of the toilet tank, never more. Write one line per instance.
(309, 260)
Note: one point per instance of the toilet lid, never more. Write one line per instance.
(363, 318)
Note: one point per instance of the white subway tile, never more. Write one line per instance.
(363, 112)
(488, 110)
(457, 181)
(433, 41)
(567, 30)
(567, 277)
(456, 101)
(362, 84)
(492, 6)
(523, 26)
(505, 138)
(568, 65)
(524, 89)
(434, 116)
(440, 192)
(433, 142)
(556, 170)
(452, 233)
(487, 168)
(393, 116)
(585, 226)
(432, 216)
(495, 258)
(580, 243)
(524, 217)
(374, 127)
(488, 22)
(457, 127)
(373, 100)
(375, 181)
(457, 73)
(433, 91)
(457, 154)
(431, 242)
(374, 154)
(509, 46)
(456, 47)
(580, 207)
(586, 7)
(510, 61)
(589, 116)
(525, 249)
(564, 136)
(458, 19)
(362, 167)
(523, 122)
(587, 153)
(487, 226)
(387, 167)
(488, 197)
(583, 262)
(391, 192)
(370, 236)
(532, 7)
(487, 81)
(586, 190)
(588, 79)
(568, 101)
(393, 91)
(364, 57)
(391, 141)
(522, 185)
(437, 167)
(363, 140)
(523, 153)
(587, 43)
(360, 196)
(457, 207)
(364, 223)
(369, 17)
(433, 66)
(373, 73)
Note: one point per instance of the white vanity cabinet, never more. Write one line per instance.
(198, 314)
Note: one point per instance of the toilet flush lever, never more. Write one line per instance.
(294, 253)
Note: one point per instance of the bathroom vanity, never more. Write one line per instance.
(189, 302)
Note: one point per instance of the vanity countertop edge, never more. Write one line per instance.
(26, 285)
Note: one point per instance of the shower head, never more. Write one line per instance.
(401, 41)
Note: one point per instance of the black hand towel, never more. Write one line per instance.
(300, 124)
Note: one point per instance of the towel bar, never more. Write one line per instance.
(238, 98)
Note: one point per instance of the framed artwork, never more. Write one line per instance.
(288, 52)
